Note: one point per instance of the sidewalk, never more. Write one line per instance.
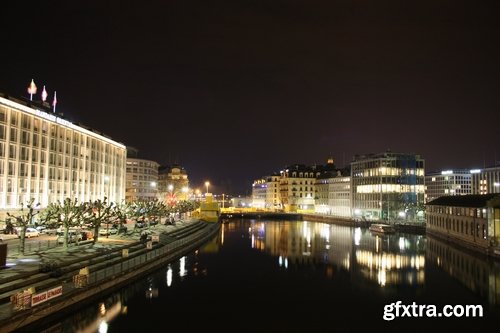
(104, 260)
(20, 266)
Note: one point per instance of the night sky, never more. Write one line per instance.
(237, 89)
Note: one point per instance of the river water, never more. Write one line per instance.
(289, 276)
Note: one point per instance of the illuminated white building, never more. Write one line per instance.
(387, 186)
(259, 193)
(266, 192)
(297, 187)
(142, 180)
(485, 181)
(447, 182)
(333, 193)
(47, 158)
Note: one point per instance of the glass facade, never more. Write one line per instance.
(448, 182)
(388, 187)
(47, 158)
(486, 181)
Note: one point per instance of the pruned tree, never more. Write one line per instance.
(121, 213)
(24, 218)
(98, 212)
(67, 214)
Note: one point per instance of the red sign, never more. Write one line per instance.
(38, 298)
(54, 292)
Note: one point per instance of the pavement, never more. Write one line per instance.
(19, 267)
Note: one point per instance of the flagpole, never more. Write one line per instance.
(54, 102)
(32, 89)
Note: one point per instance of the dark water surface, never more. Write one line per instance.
(280, 276)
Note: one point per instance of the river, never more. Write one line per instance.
(298, 276)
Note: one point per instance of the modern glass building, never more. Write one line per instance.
(387, 186)
(447, 182)
(48, 158)
(485, 181)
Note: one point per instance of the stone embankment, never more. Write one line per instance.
(61, 279)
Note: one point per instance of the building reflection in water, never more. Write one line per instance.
(388, 259)
(477, 273)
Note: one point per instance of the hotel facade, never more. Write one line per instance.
(48, 158)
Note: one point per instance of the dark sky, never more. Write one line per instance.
(237, 89)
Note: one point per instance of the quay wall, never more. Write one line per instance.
(109, 279)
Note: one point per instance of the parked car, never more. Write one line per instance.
(107, 231)
(73, 236)
(30, 232)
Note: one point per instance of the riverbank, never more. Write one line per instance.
(82, 274)
(413, 228)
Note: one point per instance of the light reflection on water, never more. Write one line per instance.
(386, 264)
(387, 259)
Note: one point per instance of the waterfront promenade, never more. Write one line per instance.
(111, 263)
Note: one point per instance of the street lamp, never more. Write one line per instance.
(185, 191)
(207, 184)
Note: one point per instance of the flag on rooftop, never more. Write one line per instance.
(54, 102)
(32, 89)
(44, 94)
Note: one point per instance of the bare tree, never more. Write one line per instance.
(97, 212)
(68, 214)
(24, 218)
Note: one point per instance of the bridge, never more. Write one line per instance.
(226, 215)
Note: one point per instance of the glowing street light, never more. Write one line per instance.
(207, 184)
(185, 191)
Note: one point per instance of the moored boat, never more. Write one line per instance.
(382, 228)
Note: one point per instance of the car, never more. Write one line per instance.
(73, 236)
(31, 232)
(107, 231)
(41, 228)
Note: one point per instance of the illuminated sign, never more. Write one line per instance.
(53, 118)
(475, 171)
(447, 172)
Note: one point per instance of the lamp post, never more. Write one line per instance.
(207, 184)
(185, 191)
